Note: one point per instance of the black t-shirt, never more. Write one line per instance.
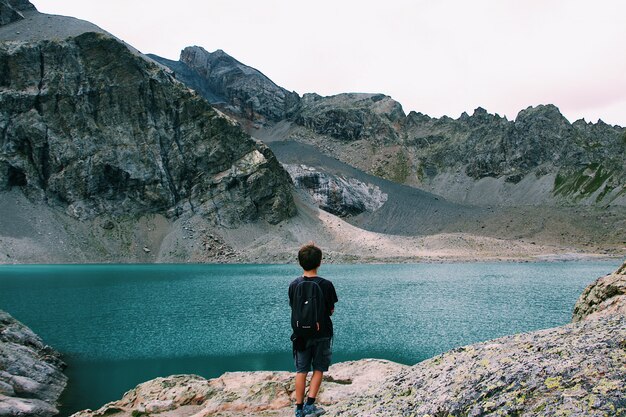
(330, 298)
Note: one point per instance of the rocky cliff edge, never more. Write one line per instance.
(31, 378)
(574, 370)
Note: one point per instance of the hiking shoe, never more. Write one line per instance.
(313, 410)
(299, 413)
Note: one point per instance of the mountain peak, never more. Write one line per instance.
(13, 10)
(244, 90)
(541, 111)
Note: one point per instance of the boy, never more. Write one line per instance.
(311, 345)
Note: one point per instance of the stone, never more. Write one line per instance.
(31, 378)
(238, 393)
(605, 296)
(350, 117)
(108, 225)
(337, 195)
(13, 10)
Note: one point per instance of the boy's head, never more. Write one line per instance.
(310, 257)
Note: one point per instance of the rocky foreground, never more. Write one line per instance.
(575, 370)
(31, 378)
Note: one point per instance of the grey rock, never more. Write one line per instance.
(13, 10)
(242, 90)
(605, 296)
(90, 125)
(352, 116)
(31, 378)
(337, 195)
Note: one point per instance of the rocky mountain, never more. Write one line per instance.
(31, 377)
(106, 156)
(94, 127)
(574, 370)
(538, 158)
(233, 86)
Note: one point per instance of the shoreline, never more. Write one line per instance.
(547, 258)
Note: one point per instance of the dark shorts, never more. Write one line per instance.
(317, 353)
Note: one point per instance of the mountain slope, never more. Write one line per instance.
(94, 137)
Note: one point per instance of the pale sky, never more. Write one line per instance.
(439, 57)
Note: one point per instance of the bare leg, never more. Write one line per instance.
(300, 385)
(316, 381)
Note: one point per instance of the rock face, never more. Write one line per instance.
(13, 10)
(242, 393)
(539, 158)
(94, 127)
(350, 117)
(222, 80)
(606, 296)
(337, 195)
(31, 380)
(579, 160)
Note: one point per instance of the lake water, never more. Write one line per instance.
(119, 325)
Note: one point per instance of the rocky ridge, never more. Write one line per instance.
(573, 370)
(31, 378)
(479, 159)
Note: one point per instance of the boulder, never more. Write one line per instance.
(605, 296)
(31, 377)
(343, 197)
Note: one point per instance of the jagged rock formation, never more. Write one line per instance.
(606, 296)
(31, 378)
(540, 153)
(337, 195)
(90, 125)
(539, 158)
(350, 117)
(573, 370)
(226, 82)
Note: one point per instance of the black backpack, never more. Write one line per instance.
(308, 309)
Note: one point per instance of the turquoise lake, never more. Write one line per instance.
(119, 325)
